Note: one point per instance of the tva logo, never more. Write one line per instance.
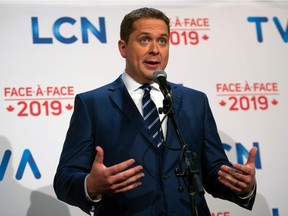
(84, 25)
(26, 158)
(242, 152)
(264, 20)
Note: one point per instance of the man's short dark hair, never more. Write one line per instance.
(126, 27)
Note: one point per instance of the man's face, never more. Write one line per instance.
(147, 49)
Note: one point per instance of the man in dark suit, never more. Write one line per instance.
(135, 176)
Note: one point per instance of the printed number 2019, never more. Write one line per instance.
(35, 108)
(246, 103)
(186, 37)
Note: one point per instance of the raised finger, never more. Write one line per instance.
(100, 155)
(127, 182)
(232, 171)
(246, 169)
(252, 155)
(119, 168)
(129, 187)
(129, 173)
(228, 176)
(234, 184)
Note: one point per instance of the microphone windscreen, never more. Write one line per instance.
(158, 73)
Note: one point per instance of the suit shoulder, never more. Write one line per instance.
(96, 91)
(187, 90)
(101, 91)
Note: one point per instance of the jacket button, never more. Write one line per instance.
(165, 177)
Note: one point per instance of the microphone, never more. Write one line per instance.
(159, 76)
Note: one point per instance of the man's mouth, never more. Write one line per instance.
(152, 62)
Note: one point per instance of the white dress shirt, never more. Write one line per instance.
(137, 93)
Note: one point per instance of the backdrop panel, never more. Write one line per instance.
(236, 52)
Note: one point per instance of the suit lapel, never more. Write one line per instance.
(120, 97)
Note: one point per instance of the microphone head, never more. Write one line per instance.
(157, 74)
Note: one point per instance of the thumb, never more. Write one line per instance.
(252, 155)
(99, 156)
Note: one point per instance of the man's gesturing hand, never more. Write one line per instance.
(241, 178)
(114, 179)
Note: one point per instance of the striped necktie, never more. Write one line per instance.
(150, 115)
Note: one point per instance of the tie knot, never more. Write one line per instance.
(146, 88)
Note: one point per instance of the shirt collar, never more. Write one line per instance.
(132, 85)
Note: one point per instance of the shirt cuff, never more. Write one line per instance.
(98, 197)
(249, 195)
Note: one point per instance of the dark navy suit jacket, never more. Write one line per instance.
(108, 117)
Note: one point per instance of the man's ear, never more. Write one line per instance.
(122, 48)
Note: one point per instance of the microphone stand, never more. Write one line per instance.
(191, 161)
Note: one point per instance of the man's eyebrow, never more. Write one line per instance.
(161, 35)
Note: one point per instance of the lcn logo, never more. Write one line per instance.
(73, 26)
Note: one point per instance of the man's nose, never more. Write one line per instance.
(154, 49)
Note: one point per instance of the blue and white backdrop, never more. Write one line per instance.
(236, 52)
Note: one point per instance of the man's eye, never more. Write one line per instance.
(144, 40)
(162, 41)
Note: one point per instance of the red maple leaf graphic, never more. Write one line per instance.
(69, 107)
(222, 103)
(205, 37)
(274, 102)
(10, 108)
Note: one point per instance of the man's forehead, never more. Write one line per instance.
(150, 23)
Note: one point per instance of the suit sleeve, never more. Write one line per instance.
(213, 157)
(76, 158)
